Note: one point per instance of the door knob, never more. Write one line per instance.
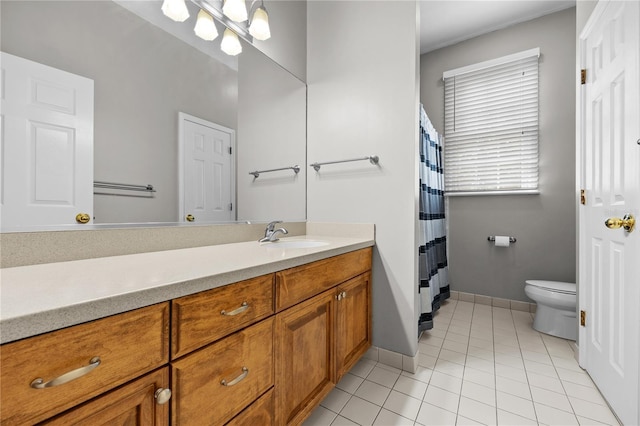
(628, 223)
(190, 218)
(83, 218)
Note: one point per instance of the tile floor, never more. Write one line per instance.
(479, 365)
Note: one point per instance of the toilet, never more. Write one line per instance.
(556, 307)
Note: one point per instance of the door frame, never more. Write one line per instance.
(182, 118)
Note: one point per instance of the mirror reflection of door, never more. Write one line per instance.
(207, 181)
(47, 145)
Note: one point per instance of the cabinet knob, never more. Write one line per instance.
(162, 396)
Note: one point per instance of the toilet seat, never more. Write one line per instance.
(554, 286)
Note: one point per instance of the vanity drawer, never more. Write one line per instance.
(302, 282)
(202, 318)
(260, 412)
(215, 383)
(128, 345)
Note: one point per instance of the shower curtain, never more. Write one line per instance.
(433, 277)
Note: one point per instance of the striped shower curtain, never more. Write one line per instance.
(433, 277)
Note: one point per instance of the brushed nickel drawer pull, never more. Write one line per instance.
(39, 383)
(237, 311)
(245, 372)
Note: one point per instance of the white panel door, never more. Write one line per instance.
(46, 145)
(208, 184)
(609, 271)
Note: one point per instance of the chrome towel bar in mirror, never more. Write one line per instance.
(295, 169)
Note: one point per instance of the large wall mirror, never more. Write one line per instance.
(155, 96)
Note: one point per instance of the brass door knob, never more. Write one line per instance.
(628, 223)
(190, 218)
(83, 218)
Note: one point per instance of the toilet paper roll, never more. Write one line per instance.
(502, 241)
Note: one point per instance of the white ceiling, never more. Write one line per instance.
(446, 22)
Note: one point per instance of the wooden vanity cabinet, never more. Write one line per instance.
(128, 345)
(320, 338)
(353, 323)
(263, 351)
(132, 404)
(215, 383)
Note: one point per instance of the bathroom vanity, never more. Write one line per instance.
(261, 341)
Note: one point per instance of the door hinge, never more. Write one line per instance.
(583, 318)
(230, 151)
(583, 76)
(583, 197)
(231, 206)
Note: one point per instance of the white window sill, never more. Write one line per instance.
(474, 193)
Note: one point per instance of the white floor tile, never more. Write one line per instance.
(320, 417)
(383, 376)
(403, 405)
(350, 383)
(442, 398)
(479, 377)
(363, 368)
(432, 415)
(360, 411)
(552, 399)
(446, 382)
(587, 393)
(463, 421)
(388, 418)
(593, 411)
(450, 368)
(544, 369)
(480, 365)
(479, 393)
(477, 411)
(513, 404)
(341, 421)
(553, 416)
(509, 419)
(421, 374)
(545, 382)
(373, 392)
(411, 387)
(513, 387)
(336, 400)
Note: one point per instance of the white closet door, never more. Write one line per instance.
(46, 169)
(208, 183)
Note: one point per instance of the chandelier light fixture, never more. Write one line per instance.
(233, 15)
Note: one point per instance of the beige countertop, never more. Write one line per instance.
(41, 298)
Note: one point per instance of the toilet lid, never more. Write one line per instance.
(557, 286)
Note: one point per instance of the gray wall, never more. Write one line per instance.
(143, 77)
(363, 78)
(543, 224)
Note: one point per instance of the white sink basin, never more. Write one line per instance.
(296, 244)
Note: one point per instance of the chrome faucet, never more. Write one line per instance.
(271, 234)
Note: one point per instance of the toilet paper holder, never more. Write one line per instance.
(493, 238)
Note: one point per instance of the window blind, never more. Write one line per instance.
(491, 126)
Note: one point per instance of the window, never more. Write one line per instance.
(491, 126)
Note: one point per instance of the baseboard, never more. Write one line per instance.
(393, 359)
(515, 305)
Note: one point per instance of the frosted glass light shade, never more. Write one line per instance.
(230, 43)
(235, 10)
(175, 9)
(205, 27)
(259, 28)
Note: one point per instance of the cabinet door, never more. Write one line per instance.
(304, 367)
(353, 322)
(260, 413)
(132, 404)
